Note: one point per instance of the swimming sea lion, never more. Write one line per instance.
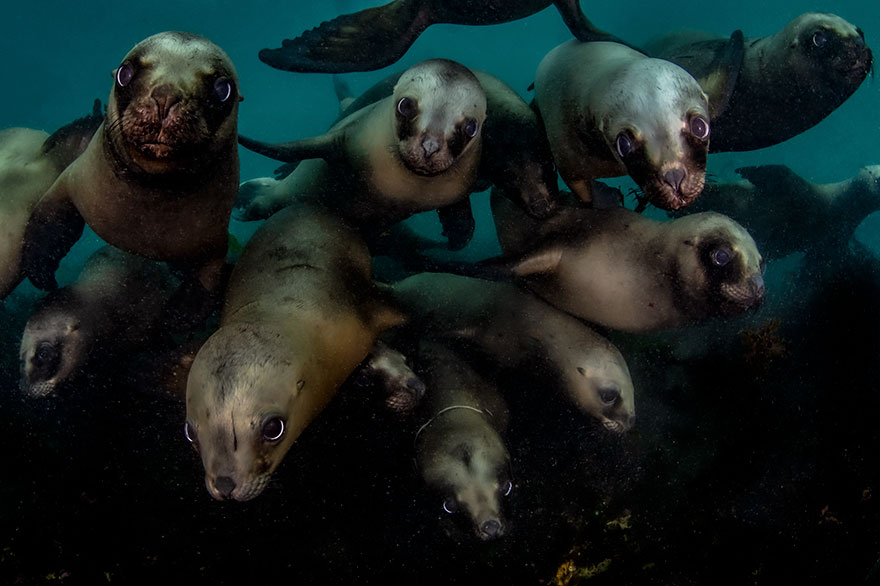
(787, 83)
(115, 306)
(518, 330)
(785, 213)
(160, 175)
(379, 36)
(460, 451)
(622, 270)
(609, 110)
(414, 151)
(30, 161)
(300, 313)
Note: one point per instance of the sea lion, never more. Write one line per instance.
(30, 161)
(785, 213)
(159, 177)
(609, 110)
(115, 306)
(787, 82)
(300, 313)
(460, 451)
(414, 151)
(518, 330)
(377, 37)
(619, 269)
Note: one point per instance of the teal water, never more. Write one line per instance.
(724, 480)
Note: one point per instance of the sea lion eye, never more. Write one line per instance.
(45, 354)
(624, 145)
(222, 88)
(124, 73)
(699, 127)
(721, 256)
(819, 39)
(273, 429)
(190, 432)
(450, 505)
(609, 395)
(407, 107)
(507, 488)
(471, 128)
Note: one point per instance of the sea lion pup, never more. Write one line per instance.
(379, 36)
(300, 313)
(787, 82)
(786, 213)
(609, 110)
(460, 451)
(115, 306)
(517, 330)
(30, 161)
(160, 175)
(414, 151)
(621, 270)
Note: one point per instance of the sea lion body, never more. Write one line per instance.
(621, 270)
(114, 306)
(518, 330)
(300, 313)
(385, 162)
(609, 110)
(460, 450)
(787, 83)
(166, 155)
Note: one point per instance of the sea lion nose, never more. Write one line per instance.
(491, 528)
(224, 486)
(674, 177)
(757, 283)
(430, 145)
(165, 96)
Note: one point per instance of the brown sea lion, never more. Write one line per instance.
(115, 306)
(300, 313)
(379, 36)
(786, 84)
(160, 175)
(609, 110)
(30, 162)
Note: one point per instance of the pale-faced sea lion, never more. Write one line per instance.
(160, 175)
(30, 162)
(379, 36)
(300, 313)
(414, 151)
(518, 330)
(785, 213)
(787, 82)
(622, 270)
(115, 306)
(609, 110)
(460, 451)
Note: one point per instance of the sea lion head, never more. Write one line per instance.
(439, 110)
(599, 382)
(53, 347)
(720, 271)
(658, 128)
(174, 106)
(241, 415)
(469, 467)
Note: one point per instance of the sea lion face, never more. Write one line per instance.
(720, 268)
(660, 131)
(470, 469)
(601, 385)
(53, 346)
(439, 110)
(240, 404)
(174, 101)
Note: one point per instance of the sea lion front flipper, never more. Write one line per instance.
(324, 147)
(362, 41)
(581, 27)
(773, 178)
(722, 74)
(540, 261)
(70, 141)
(53, 228)
(458, 223)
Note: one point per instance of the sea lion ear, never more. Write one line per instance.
(723, 73)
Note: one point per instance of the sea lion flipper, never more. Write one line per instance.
(257, 200)
(458, 223)
(540, 261)
(774, 178)
(581, 27)
(284, 170)
(68, 142)
(53, 228)
(722, 74)
(362, 41)
(316, 147)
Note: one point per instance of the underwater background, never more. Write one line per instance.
(735, 473)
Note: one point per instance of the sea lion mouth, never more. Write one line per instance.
(39, 389)
(748, 294)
